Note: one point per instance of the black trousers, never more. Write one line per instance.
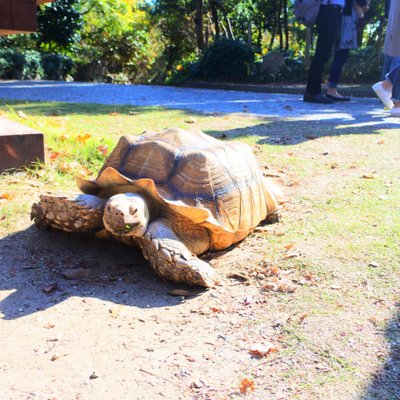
(328, 24)
(340, 58)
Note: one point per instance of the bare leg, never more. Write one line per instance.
(79, 213)
(171, 259)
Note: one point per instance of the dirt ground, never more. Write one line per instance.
(274, 329)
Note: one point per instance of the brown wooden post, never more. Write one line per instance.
(18, 16)
(19, 145)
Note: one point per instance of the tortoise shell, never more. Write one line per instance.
(189, 174)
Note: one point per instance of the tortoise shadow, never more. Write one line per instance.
(32, 263)
(385, 383)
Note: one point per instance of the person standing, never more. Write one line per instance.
(328, 24)
(346, 41)
(387, 89)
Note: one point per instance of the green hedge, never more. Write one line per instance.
(33, 65)
(227, 60)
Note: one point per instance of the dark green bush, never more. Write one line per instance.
(11, 64)
(56, 67)
(33, 65)
(32, 68)
(227, 60)
(363, 66)
(292, 71)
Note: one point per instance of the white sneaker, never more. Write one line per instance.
(395, 112)
(384, 95)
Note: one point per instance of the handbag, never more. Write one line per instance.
(306, 11)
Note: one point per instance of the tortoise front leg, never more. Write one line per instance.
(71, 213)
(171, 259)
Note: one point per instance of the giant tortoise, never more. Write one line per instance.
(176, 193)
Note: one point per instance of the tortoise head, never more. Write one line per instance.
(126, 214)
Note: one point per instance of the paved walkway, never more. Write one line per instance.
(359, 112)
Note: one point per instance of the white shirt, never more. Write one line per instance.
(333, 2)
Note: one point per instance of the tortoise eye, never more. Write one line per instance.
(132, 210)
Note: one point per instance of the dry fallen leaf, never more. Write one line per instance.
(21, 114)
(289, 246)
(322, 367)
(238, 276)
(273, 270)
(303, 317)
(83, 138)
(191, 120)
(368, 176)
(56, 356)
(73, 166)
(55, 155)
(262, 350)
(102, 149)
(374, 264)
(114, 312)
(49, 288)
(6, 196)
(180, 292)
(246, 384)
(269, 231)
(76, 273)
(280, 285)
(292, 254)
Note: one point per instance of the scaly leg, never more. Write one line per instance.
(171, 259)
(79, 213)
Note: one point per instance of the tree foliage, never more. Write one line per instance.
(151, 40)
(59, 23)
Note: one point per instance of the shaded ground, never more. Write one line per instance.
(319, 289)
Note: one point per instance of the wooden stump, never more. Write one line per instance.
(19, 145)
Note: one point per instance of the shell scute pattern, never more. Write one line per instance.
(199, 171)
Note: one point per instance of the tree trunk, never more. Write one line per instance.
(259, 35)
(308, 47)
(279, 20)
(360, 31)
(273, 24)
(249, 35)
(229, 25)
(285, 24)
(198, 20)
(215, 18)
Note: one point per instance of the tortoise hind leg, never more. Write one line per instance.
(171, 259)
(71, 213)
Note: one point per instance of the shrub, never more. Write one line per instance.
(11, 64)
(227, 60)
(186, 69)
(363, 66)
(56, 67)
(32, 68)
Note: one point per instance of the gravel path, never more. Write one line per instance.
(357, 112)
